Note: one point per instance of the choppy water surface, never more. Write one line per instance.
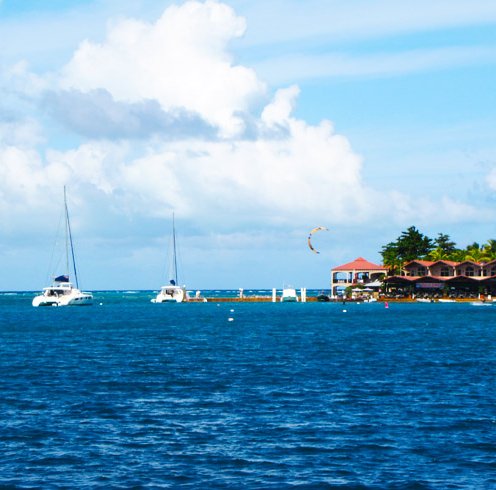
(131, 394)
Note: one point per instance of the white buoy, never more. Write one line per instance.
(231, 310)
(344, 311)
(230, 319)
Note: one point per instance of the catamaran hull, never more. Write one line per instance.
(171, 294)
(82, 299)
(42, 301)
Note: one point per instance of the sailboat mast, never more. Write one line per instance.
(66, 212)
(68, 241)
(174, 248)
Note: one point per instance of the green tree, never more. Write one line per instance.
(445, 243)
(476, 253)
(437, 254)
(390, 258)
(410, 245)
(445, 248)
(490, 248)
(413, 245)
(457, 255)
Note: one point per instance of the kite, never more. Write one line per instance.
(315, 230)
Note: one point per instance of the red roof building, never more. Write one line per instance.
(356, 273)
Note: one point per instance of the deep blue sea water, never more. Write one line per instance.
(128, 394)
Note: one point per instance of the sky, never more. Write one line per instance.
(253, 121)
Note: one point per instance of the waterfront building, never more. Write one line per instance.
(358, 273)
(445, 278)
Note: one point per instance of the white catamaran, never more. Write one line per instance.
(62, 292)
(172, 293)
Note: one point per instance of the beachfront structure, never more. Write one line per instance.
(445, 276)
(358, 273)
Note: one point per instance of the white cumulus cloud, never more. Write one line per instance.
(181, 60)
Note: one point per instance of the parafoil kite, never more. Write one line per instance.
(315, 230)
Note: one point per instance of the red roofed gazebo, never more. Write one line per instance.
(357, 272)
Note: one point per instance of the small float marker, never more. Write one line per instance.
(230, 319)
(344, 311)
(386, 305)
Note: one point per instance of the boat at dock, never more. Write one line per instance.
(323, 297)
(289, 295)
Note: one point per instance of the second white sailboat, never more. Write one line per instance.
(173, 292)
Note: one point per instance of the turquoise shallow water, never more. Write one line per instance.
(128, 394)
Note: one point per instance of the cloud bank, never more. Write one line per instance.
(168, 121)
(159, 117)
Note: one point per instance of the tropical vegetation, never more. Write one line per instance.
(414, 245)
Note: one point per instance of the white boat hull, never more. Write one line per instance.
(73, 297)
(171, 294)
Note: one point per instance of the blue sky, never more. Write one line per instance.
(254, 121)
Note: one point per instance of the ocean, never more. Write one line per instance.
(129, 394)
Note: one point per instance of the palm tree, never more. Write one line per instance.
(437, 254)
(476, 253)
(490, 248)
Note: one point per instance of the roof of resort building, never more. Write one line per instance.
(447, 262)
(452, 263)
(360, 264)
(443, 279)
(425, 263)
(473, 262)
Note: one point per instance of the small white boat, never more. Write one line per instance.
(480, 303)
(62, 292)
(444, 300)
(424, 300)
(289, 295)
(172, 293)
